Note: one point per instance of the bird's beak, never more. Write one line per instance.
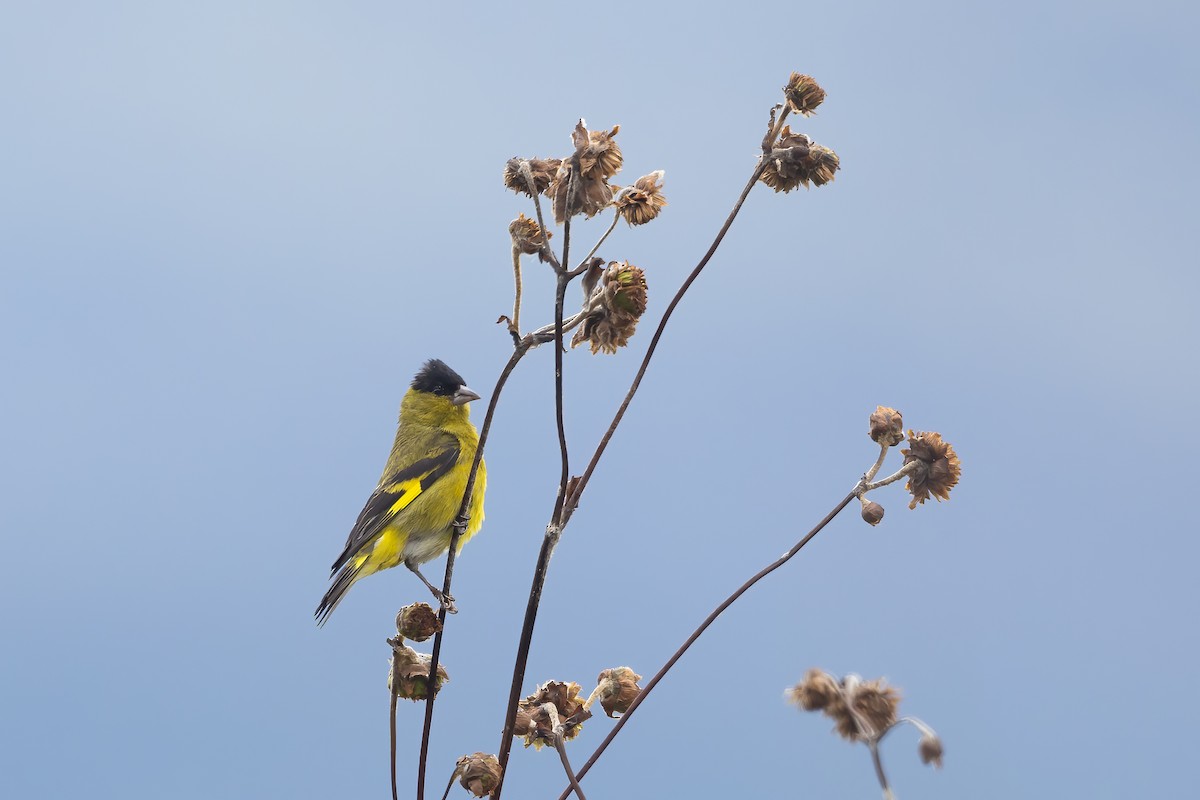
(463, 396)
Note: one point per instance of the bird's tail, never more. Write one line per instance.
(341, 584)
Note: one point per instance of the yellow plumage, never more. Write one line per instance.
(409, 517)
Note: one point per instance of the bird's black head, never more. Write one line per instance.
(437, 378)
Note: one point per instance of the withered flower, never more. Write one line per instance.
(930, 749)
(478, 773)
(618, 689)
(643, 201)
(623, 301)
(815, 691)
(417, 622)
(591, 195)
(543, 169)
(798, 161)
(939, 468)
(408, 673)
(564, 696)
(528, 237)
(872, 512)
(887, 426)
(875, 703)
(803, 94)
(599, 156)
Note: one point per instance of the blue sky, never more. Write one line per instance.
(230, 233)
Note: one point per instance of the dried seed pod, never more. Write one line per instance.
(887, 426)
(417, 622)
(803, 95)
(479, 773)
(618, 689)
(938, 468)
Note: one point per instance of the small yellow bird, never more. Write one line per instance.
(409, 516)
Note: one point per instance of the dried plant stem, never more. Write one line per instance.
(547, 250)
(460, 526)
(515, 327)
(600, 241)
(879, 773)
(903, 472)
(573, 501)
(874, 470)
(562, 754)
(392, 742)
(658, 676)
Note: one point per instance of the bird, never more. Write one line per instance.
(409, 517)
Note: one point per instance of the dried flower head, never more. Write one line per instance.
(875, 704)
(930, 749)
(872, 512)
(617, 689)
(622, 303)
(478, 773)
(569, 708)
(815, 691)
(938, 467)
(408, 673)
(798, 161)
(417, 622)
(590, 196)
(528, 237)
(803, 95)
(542, 169)
(887, 426)
(599, 156)
(643, 201)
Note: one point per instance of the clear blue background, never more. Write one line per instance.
(230, 233)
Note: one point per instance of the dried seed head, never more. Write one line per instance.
(798, 161)
(417, 622)
(872, 512)
(599, 156)
(938, 468)
(887, 426)
(528, 237)
(618, 689)
(876, 705)
(816, 691)
(623, 301)
(930, 750)
(803, 94)
(478, 773)
(643, 201)
(543, 169)
(408, 673)
(591, 195)
(571, 714)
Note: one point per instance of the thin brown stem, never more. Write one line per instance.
(516, 317)
(573, 501)
(562, 754)
(392, 743)
(879, 773)
(903, 472)
(583, 265)
(658, 676)
(547, 250)
(460, 526)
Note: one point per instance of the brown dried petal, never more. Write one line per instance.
(816, 690)
(939, 468)
(931, 751)
(618, 689)
(591, 195)
(528, 237)
(876, 703)
(643, 201)
(479, 773)
(408, 675)
(417, 622)
(599, 156)
(798, 161)
(803, 94)
(543, 169)
(565, 699)
(887, 426)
